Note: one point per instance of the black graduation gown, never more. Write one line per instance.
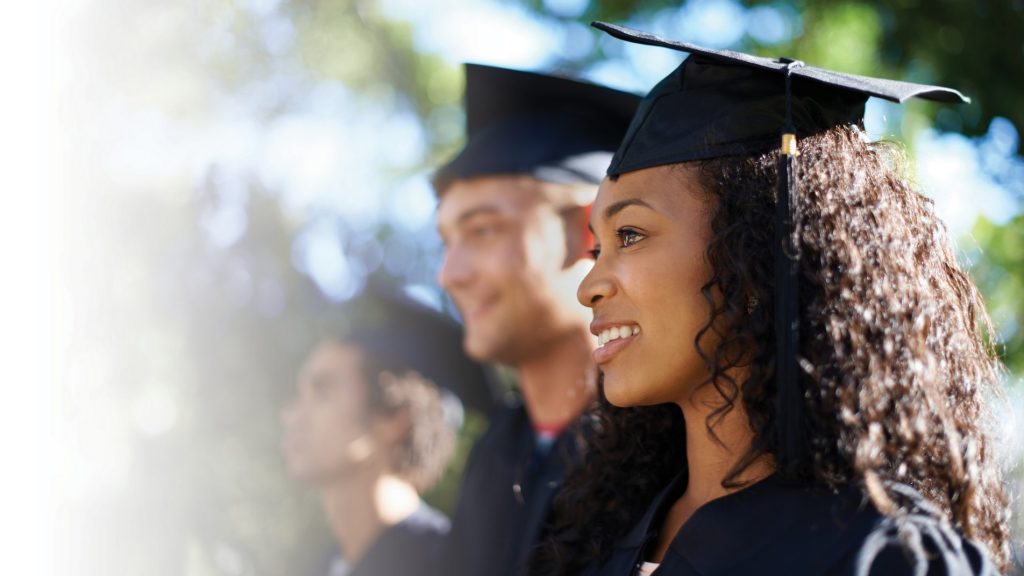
(505, 498)
(771, 528)
(405, 549)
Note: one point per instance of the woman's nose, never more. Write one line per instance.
(595, 286)
(289, 415)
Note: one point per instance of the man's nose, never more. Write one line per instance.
(455, 269)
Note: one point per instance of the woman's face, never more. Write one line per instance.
(327, 431)
(651, 230)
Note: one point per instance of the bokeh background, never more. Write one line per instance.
(219, 177)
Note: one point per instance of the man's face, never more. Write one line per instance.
(326, 428)
(507, 267)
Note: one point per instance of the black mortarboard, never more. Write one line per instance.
(411, 336)
(722, 103)
(552, 128)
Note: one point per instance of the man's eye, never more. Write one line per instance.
(482, 231)
(628, 237)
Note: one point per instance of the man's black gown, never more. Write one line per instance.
(506, 494)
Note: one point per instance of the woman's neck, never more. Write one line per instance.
(361, 508)
(710, 459)
(711, 455)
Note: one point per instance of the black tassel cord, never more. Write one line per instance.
(789, 397)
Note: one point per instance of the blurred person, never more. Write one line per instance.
(794, 368)
(513, 216)
(368, 431)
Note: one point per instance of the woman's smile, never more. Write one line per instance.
(651, 228)
(612, 338)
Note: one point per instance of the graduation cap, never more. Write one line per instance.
(722, 103)
(408, 335)
(552, 128)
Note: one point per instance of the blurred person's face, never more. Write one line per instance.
(327, 431)
(510, 267)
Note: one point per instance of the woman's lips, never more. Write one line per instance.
(614, 339)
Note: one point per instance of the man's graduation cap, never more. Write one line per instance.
(552, 128)
(407, 335)
(722, 103)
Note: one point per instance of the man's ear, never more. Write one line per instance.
(578, 238)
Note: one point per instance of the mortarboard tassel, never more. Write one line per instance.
(789, 402)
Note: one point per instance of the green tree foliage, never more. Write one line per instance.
(999, 272)
(975, 46)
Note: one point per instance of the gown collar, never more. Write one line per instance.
(728, 528)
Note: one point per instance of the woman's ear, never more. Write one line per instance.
(390, 427)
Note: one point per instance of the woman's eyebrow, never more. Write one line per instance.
(617, 207)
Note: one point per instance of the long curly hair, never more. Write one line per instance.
(895, 361)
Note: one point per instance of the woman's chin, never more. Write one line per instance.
(619, 393)
(635, 390)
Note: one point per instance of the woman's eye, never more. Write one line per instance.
(594, 252)
(322, 387)
(628, 237)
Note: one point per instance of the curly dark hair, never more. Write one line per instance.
(895, 362)
(424, 452)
